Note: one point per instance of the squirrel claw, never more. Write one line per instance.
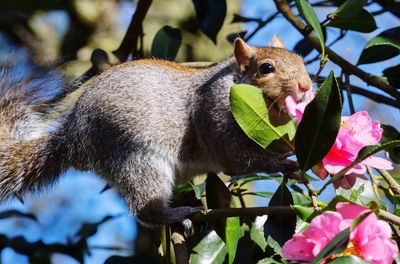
(285, 164)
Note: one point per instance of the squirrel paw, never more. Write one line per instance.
(285, 164)
(184, 212)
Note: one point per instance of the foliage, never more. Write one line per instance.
(238, 233)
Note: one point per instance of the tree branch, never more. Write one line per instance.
(389, 179)
(215, 214)
(347, 67)
(130, 41)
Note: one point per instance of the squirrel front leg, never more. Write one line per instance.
(146, 184)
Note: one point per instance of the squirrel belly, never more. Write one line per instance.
(145, 125)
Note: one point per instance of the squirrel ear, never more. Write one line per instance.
(243, 53)
(277, 42)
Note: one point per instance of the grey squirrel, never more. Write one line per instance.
(146, 125)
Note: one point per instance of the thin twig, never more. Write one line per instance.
(215, 214)
(374, 182)
(349, 93)
(392, 182)
(130, 41)
(346, 66)
(313, 195)
(394, 219)
(261, 24)
(371, 95)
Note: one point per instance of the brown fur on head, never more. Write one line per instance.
(277, 71)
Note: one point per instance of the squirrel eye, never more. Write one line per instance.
(266, 68)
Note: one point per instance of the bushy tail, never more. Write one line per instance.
(31, 145)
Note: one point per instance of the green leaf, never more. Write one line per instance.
(211, 249)
(183, 189)
(269, 260)
(261, 194)
(274, 245)
(233, 232)
(211, 15)
(257, 232)
(301, 199)
(363, 22)
(389, 134)
(349, 9)
(382, 47)
(308, 14)
(280, 228)
(250, 111)
(249, 179)
(166, 43)
(320, 124)
(362, 155)
(304, 212)
(392, 75)
(217, 196)
(230, 229)
(348, 260)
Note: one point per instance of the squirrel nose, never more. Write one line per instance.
(304, 86)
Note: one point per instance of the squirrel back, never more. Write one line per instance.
(146, 125)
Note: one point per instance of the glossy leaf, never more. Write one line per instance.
(272, 243)
(308, 14)
(304, 212)
(211, 249)
(233, 232)
(257, 232)
(303, 47)
(210, 15)
(349, 9)
(166, 43)
(218, 196)
(320, 124)
(382, 47)
(392, 75)
(250, 111)
(230, 229)
(280, 228)
(242, 19)
(183, 189)
(389, 134)
(363, 22)
(348, 260)
(231, 37)
(261, 194)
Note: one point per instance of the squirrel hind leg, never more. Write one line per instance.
(146, 185)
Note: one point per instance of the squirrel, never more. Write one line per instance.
(146, 125)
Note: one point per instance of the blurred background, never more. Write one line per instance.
(66, 32)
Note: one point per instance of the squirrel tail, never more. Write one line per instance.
(31, 142)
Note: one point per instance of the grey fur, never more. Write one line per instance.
(144, 127)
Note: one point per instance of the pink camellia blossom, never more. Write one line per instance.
(356, 132)
(370, 240)
(296, 108)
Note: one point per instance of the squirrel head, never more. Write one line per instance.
(277, 71)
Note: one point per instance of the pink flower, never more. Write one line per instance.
(295, 107)
(370, 240)
(356, 132)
